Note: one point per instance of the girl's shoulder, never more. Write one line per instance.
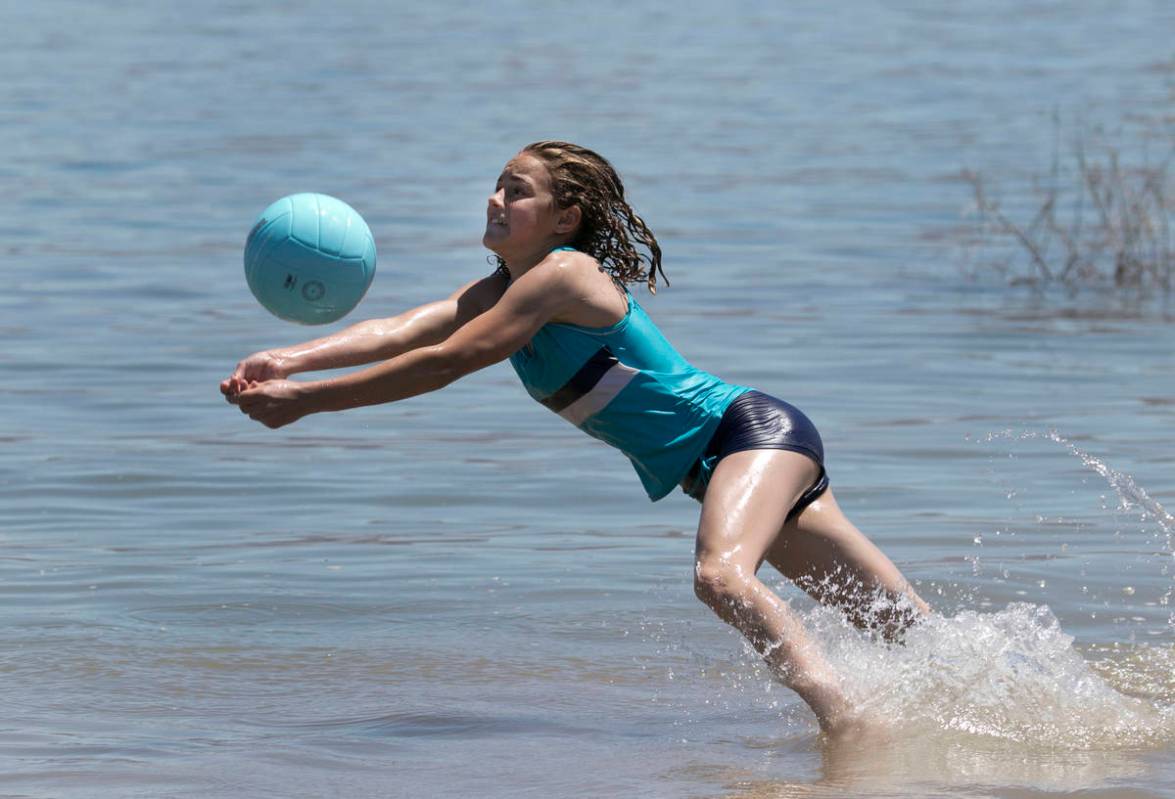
(569, 259)
(599, 300)
(478, 296)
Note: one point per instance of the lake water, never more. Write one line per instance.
(459, 595)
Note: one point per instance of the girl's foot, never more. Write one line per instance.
(833, 710)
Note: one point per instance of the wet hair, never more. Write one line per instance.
(609, 230)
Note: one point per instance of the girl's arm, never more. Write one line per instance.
(369, 341)
(528, 304)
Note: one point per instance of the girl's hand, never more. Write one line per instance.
(257, 368)
(274, 403)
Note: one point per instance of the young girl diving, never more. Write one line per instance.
(558, 308)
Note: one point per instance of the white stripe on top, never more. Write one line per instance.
(603, 392)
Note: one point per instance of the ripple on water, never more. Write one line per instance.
(202, 615)
(421, 723)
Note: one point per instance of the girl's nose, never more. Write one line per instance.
(498, 198)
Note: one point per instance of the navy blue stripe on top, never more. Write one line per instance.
(582, 381)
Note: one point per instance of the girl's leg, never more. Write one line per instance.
(745, 508)
(822, 552)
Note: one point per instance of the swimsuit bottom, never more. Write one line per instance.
(759, 421)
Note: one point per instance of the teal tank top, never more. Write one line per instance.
(627, 386)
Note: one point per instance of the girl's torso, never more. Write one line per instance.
(623, 383)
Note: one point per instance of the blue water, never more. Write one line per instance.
(459, 594)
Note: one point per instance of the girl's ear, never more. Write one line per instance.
(568, 219)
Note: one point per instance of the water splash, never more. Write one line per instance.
(1005, 681)
(1131, 496)
(1011, 676)
(1131, 499)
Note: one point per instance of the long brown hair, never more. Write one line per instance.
(609, 229)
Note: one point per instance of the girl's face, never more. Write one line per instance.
(521, 217)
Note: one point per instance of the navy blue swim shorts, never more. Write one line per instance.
(759, 421)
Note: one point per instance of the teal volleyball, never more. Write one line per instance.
(309, 258)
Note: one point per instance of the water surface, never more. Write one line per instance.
(458, 594)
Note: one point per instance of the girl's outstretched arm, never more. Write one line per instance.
(489, 337)
(368, 341)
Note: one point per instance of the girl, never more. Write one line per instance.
(566, 244)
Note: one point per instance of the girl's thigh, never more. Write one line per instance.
(824, 553)
(748, 500)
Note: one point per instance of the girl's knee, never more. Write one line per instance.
(719, 583)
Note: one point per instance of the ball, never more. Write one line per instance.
(309, 258)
